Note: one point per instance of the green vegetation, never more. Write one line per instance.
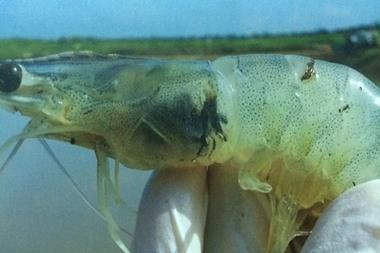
(321, 45)
(169, 47)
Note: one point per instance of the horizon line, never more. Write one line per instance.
(366, 26)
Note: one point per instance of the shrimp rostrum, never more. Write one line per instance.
(298, 129)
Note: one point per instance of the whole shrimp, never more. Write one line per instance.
(299, 129)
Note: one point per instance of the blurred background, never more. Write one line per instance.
(337, 30)
(39, 211)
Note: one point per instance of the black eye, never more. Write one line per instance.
(10, 77)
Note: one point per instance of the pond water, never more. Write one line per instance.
(40, 211)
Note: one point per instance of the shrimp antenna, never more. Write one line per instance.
(12, 154)
(62, 168)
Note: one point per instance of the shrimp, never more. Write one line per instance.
(298, 129)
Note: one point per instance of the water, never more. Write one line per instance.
(40, 212)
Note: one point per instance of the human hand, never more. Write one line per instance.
(350, 224)
(237, 220)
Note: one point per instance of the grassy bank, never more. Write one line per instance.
(328, 46)
(172, 47)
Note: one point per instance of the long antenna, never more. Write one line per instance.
(74, 184)
(11, 155)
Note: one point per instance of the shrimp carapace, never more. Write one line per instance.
(299, 129)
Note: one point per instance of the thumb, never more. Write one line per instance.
(350, 224)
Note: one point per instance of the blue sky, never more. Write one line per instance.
(146, 18)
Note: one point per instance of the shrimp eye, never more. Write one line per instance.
(10, 77)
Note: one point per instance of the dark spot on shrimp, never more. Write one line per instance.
(238, 65)
(72, 140)
(360, 88)
(88, 111)
(309, 71)
(346, 107)
(179, 118)
(353, 183)
(213, 144)
(204, 147)
(211, 123)
(223, 119)
(193, 126)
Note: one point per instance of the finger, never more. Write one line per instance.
(172, 212)
(237, 220)
(350, 224)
